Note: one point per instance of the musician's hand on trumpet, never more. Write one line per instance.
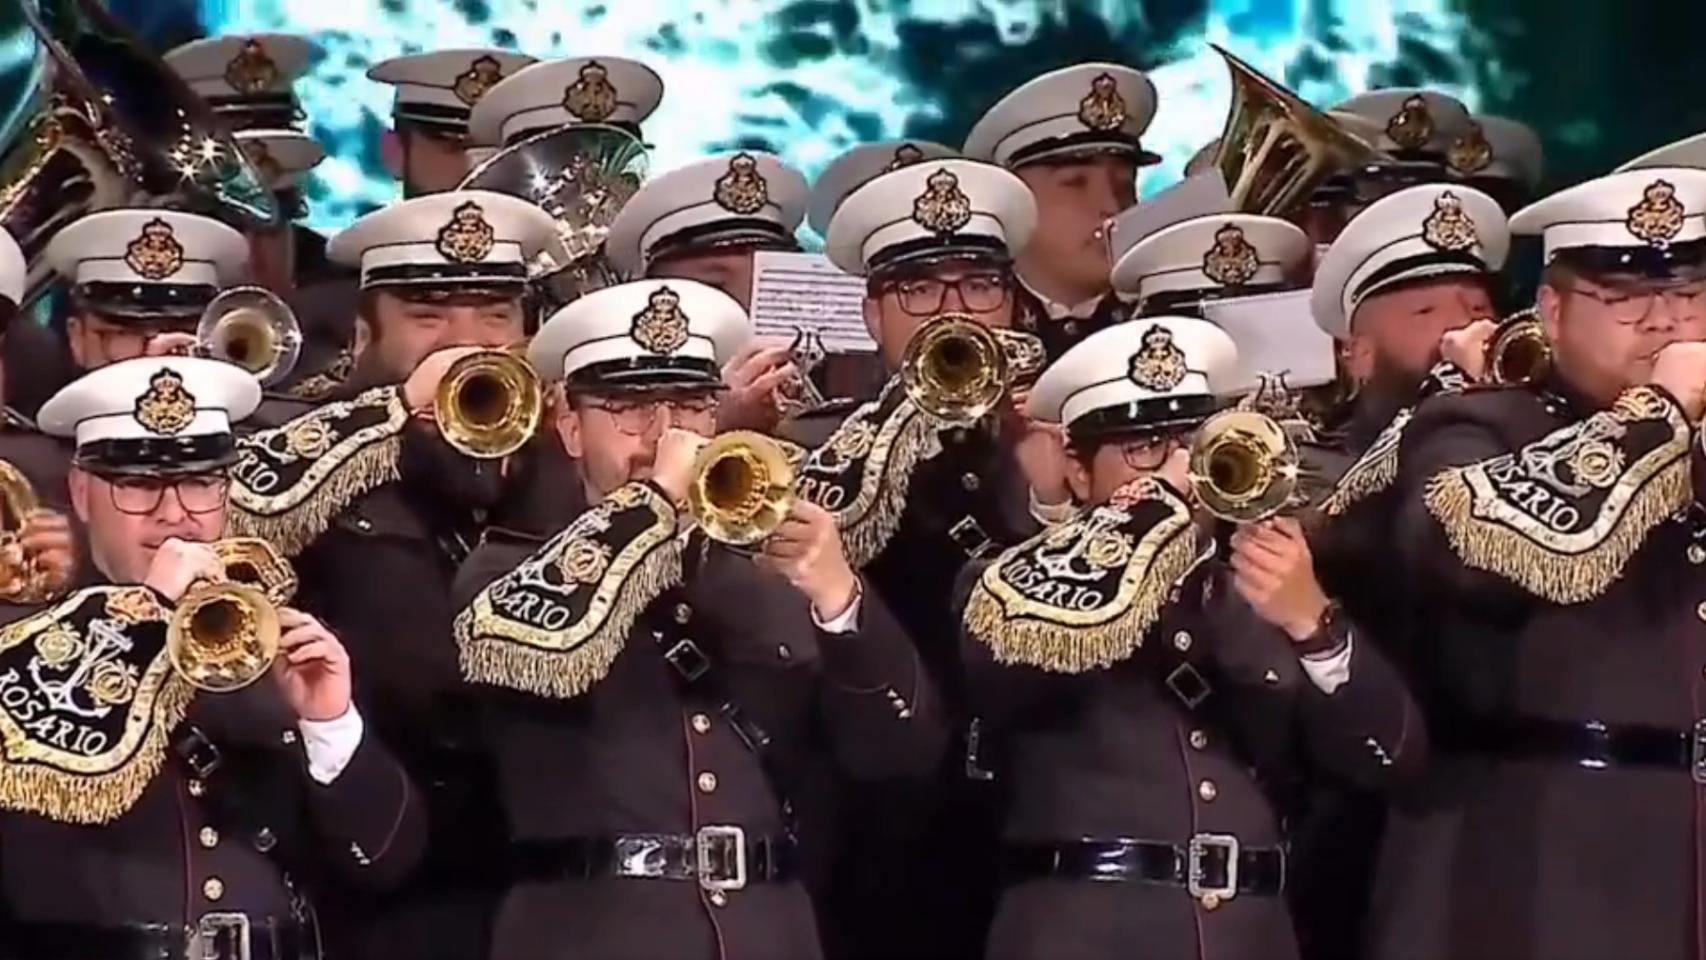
(753, 378)
(1274, 571)
(1467, 348)
(170, 343)
(1680, 369)
(44, 553)
(421, 388)
(806, 549)
(1042, 457)
(312, 669)
(674, 463)
(179, 564)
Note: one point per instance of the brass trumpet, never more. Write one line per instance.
(254, 329)
(956, 370)
(224, 633)
(29, 583)
(1519, 352)
(742, 487)
(1243, 466)
(489, 404)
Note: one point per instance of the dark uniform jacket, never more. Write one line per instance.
(139, 844)
(1091, 674)
(1060, 334)
(597, 734)
(1558, 557)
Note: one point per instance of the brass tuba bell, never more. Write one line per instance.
(107, 124)
(27, 583)
(254, 329)
(1243, 466)
(224, 633)
(1519, 352)
(742, 487)
(489, 404)
(955, 369)
(1276, 148)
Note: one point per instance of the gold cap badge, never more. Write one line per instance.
(943, 207)
(1159, 364)
(1449, 226)
(661, 327)
(1103, 108)
(1232, 261)
(165, 407)
(742, 190)
(591, 99)
(1412, 126)
(482, 75)
(1657, 219)
(905, 155)
(251, 70)
(1471, 152)
(156, 254)
(467, 238)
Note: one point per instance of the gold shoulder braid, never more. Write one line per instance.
(554, 625)
(861, 474)
(1377, 468)
(294, 479)
(88, 703)
(1561, 517)
(1081, 595)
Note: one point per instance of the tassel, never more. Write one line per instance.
(1374, 471)
(293, 530)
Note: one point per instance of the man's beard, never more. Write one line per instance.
(432, 466)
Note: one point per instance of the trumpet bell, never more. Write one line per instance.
(1276, 148)
(1243, 466)
(25, 583)
(955, 369)
(742, 489)
(254, 329)
(1519, 352)
(223, 636)
(489, 404)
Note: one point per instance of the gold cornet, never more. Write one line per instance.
(254, 329)
(1519, 352)
(956, 370)
(224, 633)
(29, 583)
(489, 404)
(742, 487)
(1243, 466)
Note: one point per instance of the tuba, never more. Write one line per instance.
(956, 370)
(254, 329)
(489, 404)
(1243, 466)
(1519, 352)
(742, 487)
(27, 583)
(108, 124)
(1276, 148)
(582, 175)
(224, 633)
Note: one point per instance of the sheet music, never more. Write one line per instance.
(1275, 334)
(804, 290)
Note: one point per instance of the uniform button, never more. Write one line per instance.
(970, 482)
(1211, 902)
(1696, 554)
(1199, 739)
(213, 888)
(718, 898)
(707, 782)
(1271, 678)
(701, 723)
(1700, 611)
(363, 524)
(288, 738)
(784, 652)
(197, 788)
(265, 839)
(1208, 791)
(1182, 640)
(683, 613)
(209, 837)
(1071, 328)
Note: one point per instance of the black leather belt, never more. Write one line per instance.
(716, 858)
(1211, 864)
(217, 936)
(1589, 744)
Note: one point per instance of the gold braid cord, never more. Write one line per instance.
(88, 703)
(1373, 472)
(862, 473)
(1562, 517)
(553, 626)
(293, 480)
(1082, 595)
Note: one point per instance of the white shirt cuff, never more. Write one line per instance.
(1330, 672)
(847, 621)
(330, 744)
(1049, 514)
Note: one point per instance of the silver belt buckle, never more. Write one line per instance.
(1201, 845)
(721, 858)
(1697, 752)
(214, 930)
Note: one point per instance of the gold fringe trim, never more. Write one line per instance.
(95, 799)
(292, 531)
(564, 674)
(1020, 640)
(883, 492)
(1559, 577)
(1374, 471)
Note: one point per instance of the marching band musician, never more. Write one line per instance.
(1155, 695)
(653, 697)
(1073, 137)
(140, 818)
(1551, 538)
(436, 94)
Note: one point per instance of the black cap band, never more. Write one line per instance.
(446, 274)
(1189, 303)
(1089, 141)
(153, 455)
(742, 232)
(950, 247)
(144, 300)
(1143, 416)
(1686, 259)
(641, 373)
(1422, 266)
